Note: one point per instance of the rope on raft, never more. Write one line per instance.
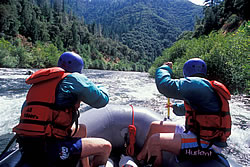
(132, 135)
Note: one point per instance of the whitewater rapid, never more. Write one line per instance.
(124, 88)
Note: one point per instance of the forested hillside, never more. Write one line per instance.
(109, 34)
(221, 38)
(225, 15)
(146, 26)
(129, 35)
(33, 33)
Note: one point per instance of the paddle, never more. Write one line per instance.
(168, 106)
(8, 146)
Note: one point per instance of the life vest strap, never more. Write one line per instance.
(219, 113)
(37, 122)
(49, 105)
(76, 115)
(214, 129)
(211, 128)
(39, 103)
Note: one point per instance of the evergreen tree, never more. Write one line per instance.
(9, 23)
(26, 18)
(75, 35)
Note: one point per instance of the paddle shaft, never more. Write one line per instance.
(168, 108)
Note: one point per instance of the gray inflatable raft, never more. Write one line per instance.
(111, 123)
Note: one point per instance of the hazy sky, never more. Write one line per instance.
(197, 2)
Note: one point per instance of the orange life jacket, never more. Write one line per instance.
(41, 117)
(211, 126)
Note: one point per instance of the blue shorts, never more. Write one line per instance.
(65, 149)
(54, 152)
(189, 140)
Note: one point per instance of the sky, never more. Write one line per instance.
(197, 2)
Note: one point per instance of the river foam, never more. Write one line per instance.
(124, 88)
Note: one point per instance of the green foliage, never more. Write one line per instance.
(227, 57)
(34, 33)
(41, 55)
(226, 15)
(39, 34)
(9, 23)
(6, 57)
(146, 27)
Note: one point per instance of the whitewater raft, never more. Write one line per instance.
(111, 123)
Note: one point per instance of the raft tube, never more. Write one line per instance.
(111, 123)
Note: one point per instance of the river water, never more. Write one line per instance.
(124, 88)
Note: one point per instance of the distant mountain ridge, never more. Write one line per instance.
(146, 26)
(99, 11)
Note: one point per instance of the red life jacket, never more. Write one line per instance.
(211, 126)
(41, 117)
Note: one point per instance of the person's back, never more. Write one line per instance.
(48, 131)
(203, 110)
